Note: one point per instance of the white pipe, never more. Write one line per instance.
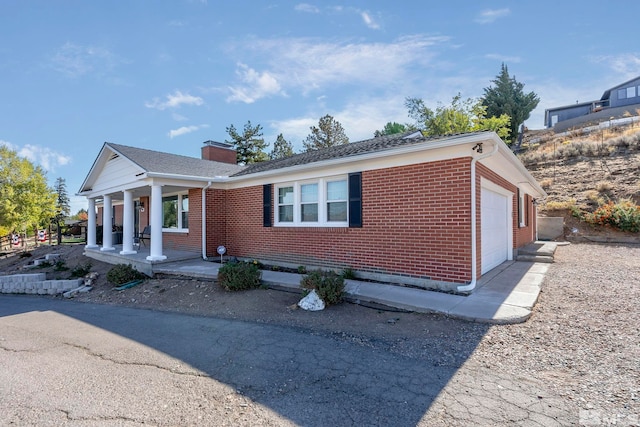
(204, 220)
(474, 258)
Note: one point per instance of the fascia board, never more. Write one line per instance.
(444, 149)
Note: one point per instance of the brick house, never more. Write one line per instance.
(428, 212)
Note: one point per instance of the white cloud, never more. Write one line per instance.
(305, 65)
(369, 21)
(503, 58)
(174, 101)
(490, 15)
(256, 85)
(76, 60)
(307, 8)
(627, 64)
(185, 129)
(41, 156)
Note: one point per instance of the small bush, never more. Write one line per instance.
(604, 186)
(81, 270)
(348, 274)
(328, 285)
(123, 273)
(60, 265)
(546, 183)
(624, 215)
(302, 269)
(237, 276)
(559, 205)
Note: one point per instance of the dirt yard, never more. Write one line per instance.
(581, 344)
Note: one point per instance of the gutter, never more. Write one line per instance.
(204, 220)
(474, 257)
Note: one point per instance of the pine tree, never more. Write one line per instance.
(508, 97)
(328, 133)
(250, 145)
(281, 148)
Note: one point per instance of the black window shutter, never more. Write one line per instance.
(355, 200)
(266, 205)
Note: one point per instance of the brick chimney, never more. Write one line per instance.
(219, 152)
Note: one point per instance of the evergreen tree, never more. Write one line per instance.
(281, 148)
(249, 145)
(328, 133)
(508, 97)
(62, 206)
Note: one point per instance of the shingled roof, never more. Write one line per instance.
(372, 145)
(174, 164)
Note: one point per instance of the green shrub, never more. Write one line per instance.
(123, 273)
(60, 265)
(81, 270)
(348, 274)
(328, 285)
(238, 276)
(624, 215)
(302, 269)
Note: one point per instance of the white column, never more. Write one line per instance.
(155, 253)
(91, 225)
(107, 226)
(127, 224)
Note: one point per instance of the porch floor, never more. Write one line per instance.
(139, 260)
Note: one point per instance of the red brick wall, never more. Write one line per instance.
(415, 222)
(191, 241)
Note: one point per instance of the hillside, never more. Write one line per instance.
(584, 170)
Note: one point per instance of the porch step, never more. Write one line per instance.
(538, 252)
(536, 258)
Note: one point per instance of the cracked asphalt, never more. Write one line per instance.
(63, 363)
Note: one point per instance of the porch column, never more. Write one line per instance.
(91, 225)
(107, 226)
(127, 224)
(155, 252)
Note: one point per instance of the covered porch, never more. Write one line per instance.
(139, 259)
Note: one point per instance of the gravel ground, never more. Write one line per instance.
(578, 354)
(583, 339)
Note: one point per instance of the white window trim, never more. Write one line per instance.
(322, 203)
(522, 206)
(179, 229)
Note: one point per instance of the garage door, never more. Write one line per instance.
(495, 229)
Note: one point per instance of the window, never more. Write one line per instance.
(631, 92)
(622, 93)
(522, 209)
(175, 211)
(323, 202)
(337, 196)
(285, 204)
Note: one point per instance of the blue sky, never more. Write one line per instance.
(168, 75)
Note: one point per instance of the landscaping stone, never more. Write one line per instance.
(311, 302)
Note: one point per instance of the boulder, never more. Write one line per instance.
(311, 302)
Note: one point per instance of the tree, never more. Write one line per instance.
(26, 201)
(250, 145)
(81, 215)
(328, 134)
(508, 97)
(392, 129)
(281, 149)
(460, 117)
(62, 206)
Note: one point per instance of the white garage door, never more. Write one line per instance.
(495, 229)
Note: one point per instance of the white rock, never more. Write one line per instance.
(311, 302)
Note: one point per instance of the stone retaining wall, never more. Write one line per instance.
(36, 284)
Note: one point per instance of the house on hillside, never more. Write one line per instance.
(615, 102)
(428, 212)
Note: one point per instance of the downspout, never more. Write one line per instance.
(474, 258)
(204, 220)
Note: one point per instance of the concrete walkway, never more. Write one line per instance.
(506, 294)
